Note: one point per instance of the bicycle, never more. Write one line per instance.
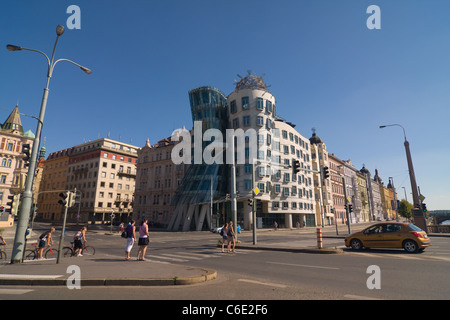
(32, 254)
(70, 252)
(3, 256)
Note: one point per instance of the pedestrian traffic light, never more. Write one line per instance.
(350, 208)
(26, 151)
(72, 198)
(326, 173)
(250, 202)
(13, 205)
(296, 166)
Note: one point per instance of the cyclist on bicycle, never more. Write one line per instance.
(2, 241)
(45, 238)
(77, 241)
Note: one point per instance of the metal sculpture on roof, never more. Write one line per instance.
(250, 82)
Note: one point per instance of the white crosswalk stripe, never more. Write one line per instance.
(185, 256)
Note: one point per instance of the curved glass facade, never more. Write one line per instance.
(208, 105)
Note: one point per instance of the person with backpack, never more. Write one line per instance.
(45, 238)
(224, 234)
(131, 239)
(78, 239)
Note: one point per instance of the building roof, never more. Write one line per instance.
(13, 122)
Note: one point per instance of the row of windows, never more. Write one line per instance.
(245, 105)
(266, 187)
(246, 121)
(285, 205)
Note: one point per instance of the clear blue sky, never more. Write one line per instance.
(325, 67)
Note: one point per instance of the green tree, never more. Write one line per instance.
(405, 209)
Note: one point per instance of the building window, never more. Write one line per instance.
(235, 123)
(269, 106)
(246, 120)
(245, 105)
(259, 121)
(233, 106)
(259, 104)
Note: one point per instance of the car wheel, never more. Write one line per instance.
(356, 244)
(410, 246)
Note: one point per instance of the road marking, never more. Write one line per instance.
(302, 265)
(198, 255)
(355, 297)
(263, 283)
(14, 291)
(180, 256)
(168, 258)
(28, 276)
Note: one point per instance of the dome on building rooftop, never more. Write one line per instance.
(315, 139)
(29, 134)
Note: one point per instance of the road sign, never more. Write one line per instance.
(256, 191)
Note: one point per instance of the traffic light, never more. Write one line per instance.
(72, 198)
(64, 199)
(326, 173)
(350, 208)
(26, 151)
(250, 202)
(2, 209)
(296, 166)
(424, 207)
(67, 199)
(13, 204)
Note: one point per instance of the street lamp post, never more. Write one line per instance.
(419, 218)
(27, 196)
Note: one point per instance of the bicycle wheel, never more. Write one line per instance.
(88, 251)
(29, 255)
(3, 256)
(51, 253)
(67, 252)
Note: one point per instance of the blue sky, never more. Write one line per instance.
(326, 69)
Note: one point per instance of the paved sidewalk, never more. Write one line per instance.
(101, 270)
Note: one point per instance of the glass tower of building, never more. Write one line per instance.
(193, 197)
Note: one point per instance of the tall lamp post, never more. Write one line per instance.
(27, 196)
(419, 217)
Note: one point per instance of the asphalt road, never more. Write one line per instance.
(270, 275)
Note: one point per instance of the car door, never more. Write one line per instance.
(392, 236)
(373, 236)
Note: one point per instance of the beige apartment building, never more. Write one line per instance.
(53, 182)
(102, 172)
(157, 180)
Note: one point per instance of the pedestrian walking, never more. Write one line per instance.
(121, 228)
(224, 234)
(143, 240)
(131, 239)
(78, 239)
(45, 239)
(231, 237)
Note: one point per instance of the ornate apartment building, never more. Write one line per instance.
(13, 170)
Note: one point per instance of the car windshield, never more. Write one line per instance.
(413, 227)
